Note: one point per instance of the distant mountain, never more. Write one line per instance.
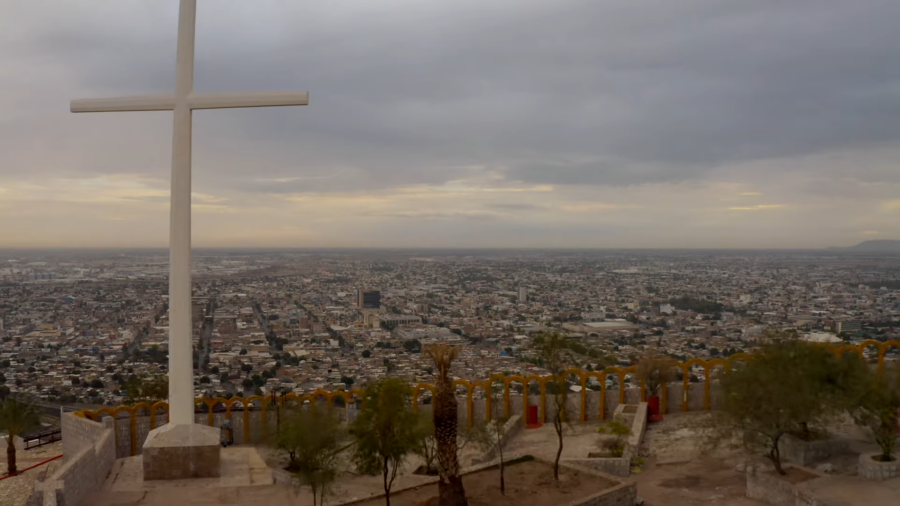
(877, 246)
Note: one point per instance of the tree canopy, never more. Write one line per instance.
(385, 430)
(788, 386)
(313, 439)
(17, 417)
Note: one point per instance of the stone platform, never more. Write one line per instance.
(240, 466)
(245, 479)
(179, 451)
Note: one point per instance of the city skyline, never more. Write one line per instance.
(520, 124)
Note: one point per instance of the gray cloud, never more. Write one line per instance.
(431, 215)
(516, 207)
(577, 94)
(402, 90)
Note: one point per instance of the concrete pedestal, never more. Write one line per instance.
(179, 451)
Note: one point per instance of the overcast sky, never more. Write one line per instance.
(495, 123)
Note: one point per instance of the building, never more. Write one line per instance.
(847, 326)
(399, 319)
(595, 327)
(821, 337)
(371, 319)
(368, 299)
(523, 295)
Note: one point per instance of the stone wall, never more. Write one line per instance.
(89, 452)
(512, 427)
(80, 433)
(764, 485)
(874, 470)
(622, 495)
(804, 453)
(768, 488)
(638, 428)
(615, 466)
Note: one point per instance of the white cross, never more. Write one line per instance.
(182, 103)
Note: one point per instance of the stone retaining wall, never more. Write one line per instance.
(770, 488)
(620, 467)
(89, 452)
(622, 495)
(874, 470)
(804, 453)
(512, 427)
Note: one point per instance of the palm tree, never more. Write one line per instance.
(444, 406)
(16, 418)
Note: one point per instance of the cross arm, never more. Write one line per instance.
(164, 102)
(231, 100)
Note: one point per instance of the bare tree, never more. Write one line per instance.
(553, 350)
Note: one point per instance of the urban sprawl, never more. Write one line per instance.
(76, 327)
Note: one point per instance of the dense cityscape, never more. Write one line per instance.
(90, 327)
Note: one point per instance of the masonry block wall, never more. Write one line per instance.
(804, 453)
(89, 450)
(623, 495)
(765, 487)
(615, 466)
(80, 434)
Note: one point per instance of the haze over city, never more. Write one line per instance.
(468, 124)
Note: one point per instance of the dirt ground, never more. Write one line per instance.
(702, 481)
(685, 464)
(527, 483)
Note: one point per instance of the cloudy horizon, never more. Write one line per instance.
(508, 123)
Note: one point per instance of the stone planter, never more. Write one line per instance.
(874, 470)
(804, 453)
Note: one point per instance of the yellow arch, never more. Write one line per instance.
(471, 385)
(541, 381)
(521, 379)
(156, 405)
(887, 345)
(470, 400)
(489, 393)
(417, 390)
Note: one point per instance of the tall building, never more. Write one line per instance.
(368, 299)
(848, 326)
(523, 295)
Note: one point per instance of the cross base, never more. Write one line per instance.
(180, 451)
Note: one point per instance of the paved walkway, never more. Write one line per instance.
(855, 491)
